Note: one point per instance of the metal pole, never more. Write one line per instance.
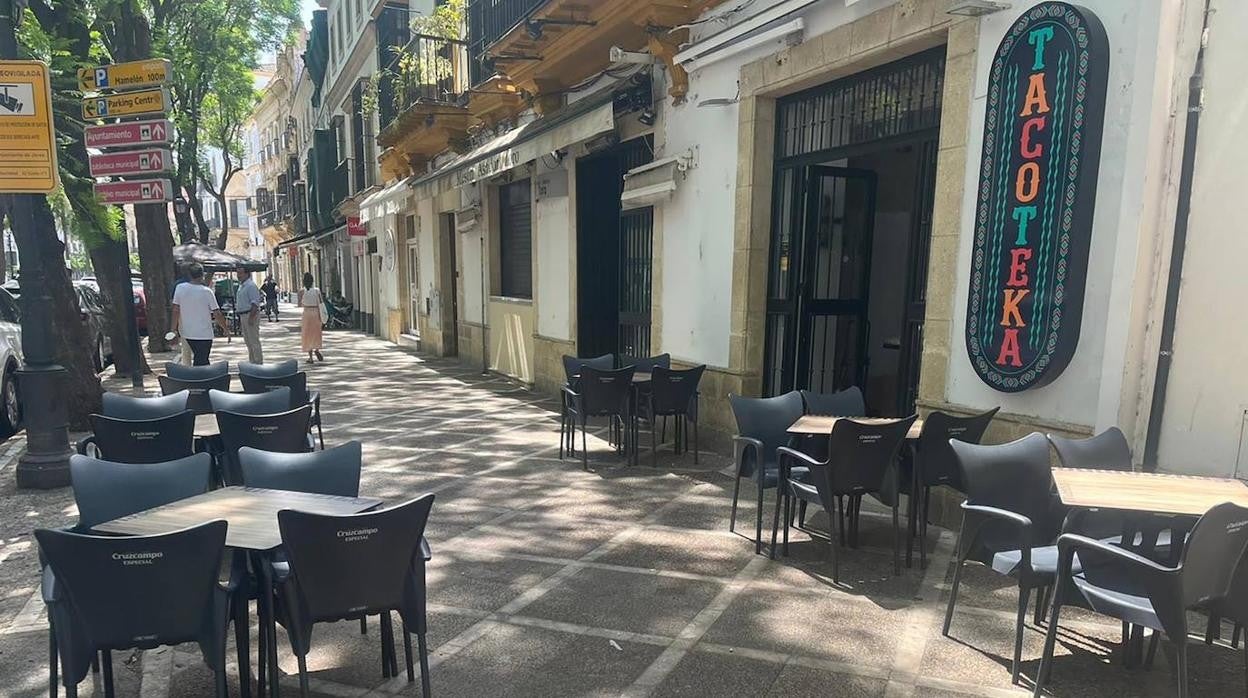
(41, 382)
(485, 348)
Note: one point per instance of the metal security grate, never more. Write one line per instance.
(896, 99)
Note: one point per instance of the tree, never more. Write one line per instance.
(223, 114)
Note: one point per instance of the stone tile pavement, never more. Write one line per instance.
(623, 581)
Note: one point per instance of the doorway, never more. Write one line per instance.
(450, 331)
(413, 288)
(613, 255)
(851, 227)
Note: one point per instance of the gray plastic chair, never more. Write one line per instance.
(197, 400)
(253, 404)
(104, 490)
(197, 373)
(572, 366)
(762, 427)
(1121, 584)
(277, 369)
(335, 471)
(130, 407)
(141, 440)
(600, 394)
(1107, 450)
(284, 432)
(843, 403)
(296, 381)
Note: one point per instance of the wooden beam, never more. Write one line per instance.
(665, 45)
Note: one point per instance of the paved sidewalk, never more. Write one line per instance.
(551, 581)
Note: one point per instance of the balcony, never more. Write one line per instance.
(489, 21)
(420, 96)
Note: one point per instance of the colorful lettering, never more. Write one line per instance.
(1037, 100)
(1025, 146)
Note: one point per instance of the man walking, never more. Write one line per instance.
(247, 302)
(194, 310)
(183, 277)
(269, 287)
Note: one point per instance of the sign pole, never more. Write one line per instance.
(45, 464)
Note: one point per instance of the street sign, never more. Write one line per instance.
(149, 73)
(131, 162)
(354, 227)
(126, 104)
(28, 147)
(153, 132)
(138, 191)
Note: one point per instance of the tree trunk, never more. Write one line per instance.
(224, 236)
(111, 262)
(197, 209)
(156, 253)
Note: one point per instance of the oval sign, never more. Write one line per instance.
(1037, 189)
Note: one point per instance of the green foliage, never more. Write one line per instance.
(417, 71)
(447, 21)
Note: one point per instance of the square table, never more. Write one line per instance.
(206, 426)
(250, 511)
(1160, 493)
(821, 425)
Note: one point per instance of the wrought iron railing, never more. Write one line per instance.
(489, 21)
(428, 69)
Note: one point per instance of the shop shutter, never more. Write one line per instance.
(516, 239)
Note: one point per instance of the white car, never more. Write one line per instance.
(10, 360)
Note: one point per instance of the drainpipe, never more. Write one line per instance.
(1165, 353)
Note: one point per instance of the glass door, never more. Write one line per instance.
(413, 289)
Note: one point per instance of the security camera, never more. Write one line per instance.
(619, 55)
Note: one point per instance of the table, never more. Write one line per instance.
(821, 425)
(251, 513)
(206, 426)
(1160, 493)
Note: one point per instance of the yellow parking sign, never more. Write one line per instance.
(125, 76)
(126, 104)
(27, 142)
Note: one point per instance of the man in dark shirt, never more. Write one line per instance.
(269, 288)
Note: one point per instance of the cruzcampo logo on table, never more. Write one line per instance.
(1037, 189)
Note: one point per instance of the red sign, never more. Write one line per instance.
(355, 227)
(139, 191)
(150, 132)
(131, 162)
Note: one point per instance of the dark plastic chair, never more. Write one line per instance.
(296, 381)
(935, 464)
(197, 401)
(862, 458)
(347, 567)
(762, 427)
(197, 373)
(118, 593)
(572, 366)
(335, 471)
(1006, 520)
(843, 403)
(1107, 450)
(254, 404)
(105, 490)
(671, 394)
(284, 432)
(644, 364)
(279, 369)
(600, 394)
(141, 440)
(129, 407)
(1121, 584)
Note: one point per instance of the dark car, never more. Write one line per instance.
(91, 304)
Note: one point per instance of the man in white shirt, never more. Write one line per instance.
(194, 311)
(247, 302)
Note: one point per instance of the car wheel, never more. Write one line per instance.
(11, 407)
(98, 359)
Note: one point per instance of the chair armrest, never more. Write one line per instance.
(976, 516)
(81, 447)
(425, 551)
(740, 444)
(279, 569)
(1070, 543)
(314, 398)
(48, 586)
(995, 513)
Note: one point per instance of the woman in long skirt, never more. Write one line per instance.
(311, 301)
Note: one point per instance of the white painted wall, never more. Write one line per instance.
(553, 228)
(470, 249)
(1077, 395)
(426, 243)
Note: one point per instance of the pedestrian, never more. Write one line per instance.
(247, 302)
(269, 287)
(183, 278)
(194, 311)
(313, 304)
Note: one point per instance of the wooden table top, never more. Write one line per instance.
(206, 425)
(821, 425)
(638, 377)
(251, 513)
(1150, 492)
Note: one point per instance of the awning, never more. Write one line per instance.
(213, 259)
(578, 122)
(654, 182)
(387, 201)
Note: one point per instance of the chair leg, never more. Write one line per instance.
(832, 547)
(775, 523)
(758, 522)
(953, 589)
(584, 447)
(927, 503)
(1152, 650)
(654, 462)
(1180, 651)
(407, 650)
(1042, 603)
(788, 520)
(736, 493)
(320, 435)
(1213, 629)
(106, 664)
(896, 540)
(801, 514)
(840, 517)
(1050, 641)
(303, 676)
(389, 664)
(363, 625)
(95, 663)
(695, 440)
(1024, 594)
(1235, 636)
(424, 666)
(242, 638)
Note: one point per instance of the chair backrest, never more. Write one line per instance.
(1107, 450)
(273, 370)
(767, 419)
(283, 432)
(1014, 476)
(672, 391)
(144, 440)
(605, 391)
(141, 591)
(130, 407)
(646, 364)
(843, 403)
(255, 404)
(333, 471)
(296, 383)
(862, 457)
(345, 566)
(197, 401)
(572, 365)
(105, 490)
(939, 465)
(197, 373)
(1214, 550)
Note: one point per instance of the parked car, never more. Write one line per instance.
(10, 360)
(140, 298)
(92, 306)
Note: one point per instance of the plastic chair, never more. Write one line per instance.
(254, 404)
(862, 457)
(347, 567)
(296, 381)
(197, 373)
(671, 394)
(1006, 520)
(141, 440)
(197, 401)
(106, 490)
(283, 432)
(571, 369)
(129, 407)
(762, 427)
(600, 393)
(139, 592)
(1121, 584)
(645, 364)
(335, 471)
(279, 369)
(844, 403)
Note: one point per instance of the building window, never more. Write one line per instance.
(515, 240)
(238, 213)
